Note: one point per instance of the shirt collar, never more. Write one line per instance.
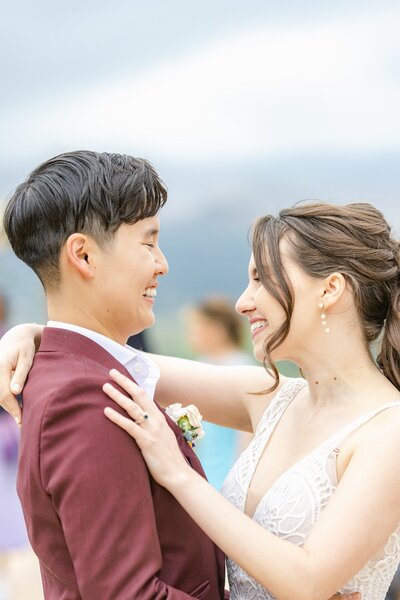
(140, 366)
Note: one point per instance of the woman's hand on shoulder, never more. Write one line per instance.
(144, 422)
(17, 350)
(225, 395)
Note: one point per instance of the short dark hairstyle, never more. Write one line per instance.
(82, 191)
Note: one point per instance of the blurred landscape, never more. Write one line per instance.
(206, 225)
(244, 108)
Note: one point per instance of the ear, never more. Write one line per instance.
(333, 289)
(79, 250)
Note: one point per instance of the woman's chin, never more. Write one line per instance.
(259, 354)
(261, 357)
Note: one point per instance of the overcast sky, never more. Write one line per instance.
(198, 82)
(244, 106)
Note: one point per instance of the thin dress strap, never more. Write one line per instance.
(337, 438)
(279, 403)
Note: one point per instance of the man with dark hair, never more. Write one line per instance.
(87, 224)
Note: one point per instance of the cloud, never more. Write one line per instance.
(269, 90)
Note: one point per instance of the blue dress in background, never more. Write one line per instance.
(220, 447)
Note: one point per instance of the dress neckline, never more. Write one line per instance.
(340, 434)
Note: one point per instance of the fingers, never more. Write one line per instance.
(127, 384)
(13, 374)
(135, 392)
(154, 437)
(138, 406)
(22, 368)
(133, 409)
(7, 399)
(17, 351)
(10, 404)
(126, 424)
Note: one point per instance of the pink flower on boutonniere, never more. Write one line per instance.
(188, 419)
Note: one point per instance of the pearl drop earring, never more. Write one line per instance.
(323, 317)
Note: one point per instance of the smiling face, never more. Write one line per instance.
(266, 315)
(126, 273)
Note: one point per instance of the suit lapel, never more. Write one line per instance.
(66, 341)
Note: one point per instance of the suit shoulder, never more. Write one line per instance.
(62, 383)
(64, 368)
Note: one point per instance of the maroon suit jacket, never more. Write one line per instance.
(102, 528)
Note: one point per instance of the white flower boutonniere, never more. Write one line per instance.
(188, 419)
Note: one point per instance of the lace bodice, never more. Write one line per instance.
(293, 504)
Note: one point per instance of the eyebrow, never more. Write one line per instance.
(151, 232)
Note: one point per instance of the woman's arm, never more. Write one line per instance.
(359, 519)
(17, 351)
(222, 394)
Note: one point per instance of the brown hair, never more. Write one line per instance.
(354, 240)
(222, 311)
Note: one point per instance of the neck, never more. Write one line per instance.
(339, 372)
(68, 312)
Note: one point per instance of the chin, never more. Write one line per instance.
(149, 322)
(139, 326)
(259, 354)
(259, 347)
(276, 355)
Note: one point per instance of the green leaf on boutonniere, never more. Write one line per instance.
(184, 424)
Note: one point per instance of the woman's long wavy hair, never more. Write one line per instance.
(354, 240)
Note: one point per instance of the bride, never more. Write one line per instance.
(312, 507)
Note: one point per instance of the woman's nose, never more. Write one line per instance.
(245, 303)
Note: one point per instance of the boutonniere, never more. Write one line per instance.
(188, 419)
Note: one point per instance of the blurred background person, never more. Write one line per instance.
(19, 571)
(139, 341)
(215, 335)
(267, 103)
(3, 314)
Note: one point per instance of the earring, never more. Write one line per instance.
(323, 317)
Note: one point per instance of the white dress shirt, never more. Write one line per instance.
(144, 371)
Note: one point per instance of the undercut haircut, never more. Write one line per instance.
(78, 192)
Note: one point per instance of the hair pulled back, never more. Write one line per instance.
(354, 240)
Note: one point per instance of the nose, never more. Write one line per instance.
(245, 303)
(161, 263)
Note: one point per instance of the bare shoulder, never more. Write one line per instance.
(387, 422)
(389, 415)
(381, 434)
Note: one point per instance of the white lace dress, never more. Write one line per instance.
(293, 504)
